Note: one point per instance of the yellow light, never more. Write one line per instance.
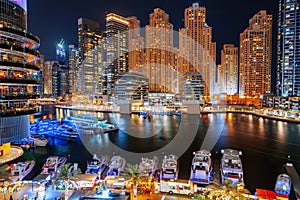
(118, 18)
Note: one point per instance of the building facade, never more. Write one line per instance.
(136, 44)
(19, 67)
(73, 63)
(47, 76)
(228, 72)
(196, 49)
(89, 51)
(256, 56)
(288, 48)
(159, 60)
(116, 51)
(192, 86)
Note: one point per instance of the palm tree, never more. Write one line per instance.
(4, 173)
(67, 172)
(225, 192)
(132, 174)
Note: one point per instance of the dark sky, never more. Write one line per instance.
(52, 20)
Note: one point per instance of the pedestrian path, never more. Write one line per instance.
(295, 178)
(15, 152)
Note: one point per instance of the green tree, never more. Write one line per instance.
(67, 174)
(4, 173)
(132, 174)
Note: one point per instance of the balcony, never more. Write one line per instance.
(19, 64)
(20, 32)
(19, 80)
(19, 48)
(19, 111)
(15, 96)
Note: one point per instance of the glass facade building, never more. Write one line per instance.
(116, 51)
(19, 71)
(288, 50)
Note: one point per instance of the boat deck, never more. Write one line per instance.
(290, 169)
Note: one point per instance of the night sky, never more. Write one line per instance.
(52, 20)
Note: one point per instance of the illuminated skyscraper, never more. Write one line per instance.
(60, 72)
(89, 48)
(47, 76)
(73, 67)
(61, 52)
(135, 44)
(159, 63)
(229, 69)
(288, 49)
(116, 51)
(19, 73)
(256, 56)
(197, 51)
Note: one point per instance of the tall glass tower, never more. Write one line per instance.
(19, 67)
(288, 50)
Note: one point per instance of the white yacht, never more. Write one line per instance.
(201, 169)
(20, 170)
(53, 164)
(96, 165)
(38, 140)
(283, 184)
(148, 166)
(65, 132)
(170, 167)
(116, 166)
(231, 167)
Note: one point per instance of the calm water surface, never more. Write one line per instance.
(265, 144)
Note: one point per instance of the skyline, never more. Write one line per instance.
(51, 27)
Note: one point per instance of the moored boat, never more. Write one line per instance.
(96, 165)
(201, 169)
(53, 164)
(231, 167)
(283, 184)
(21, 169)
(170, 167)
(38, 140)
(116, 166)
(148, 166)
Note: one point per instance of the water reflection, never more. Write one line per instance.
(265, 143)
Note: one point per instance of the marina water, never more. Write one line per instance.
(265, 144)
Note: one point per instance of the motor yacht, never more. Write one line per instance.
(283, 184)
(231, 167)
(170, 167)
(116, 166)
(148, 166)
(20, 170)
(201, 169)
(53, 164)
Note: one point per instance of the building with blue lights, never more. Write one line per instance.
(288, 50)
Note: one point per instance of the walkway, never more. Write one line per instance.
(15, 152)
(295, 178)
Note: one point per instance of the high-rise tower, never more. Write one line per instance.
(135, 45)
(116, 51)
(229, 69)
(159, 47)
(256, 56)
(19, 67)
(197, 51)
(89, 71)
(288, 49)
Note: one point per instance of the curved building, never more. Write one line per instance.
(19, 67)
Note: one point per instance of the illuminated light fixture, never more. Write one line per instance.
(115, 17)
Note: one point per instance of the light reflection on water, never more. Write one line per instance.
(265, 143)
